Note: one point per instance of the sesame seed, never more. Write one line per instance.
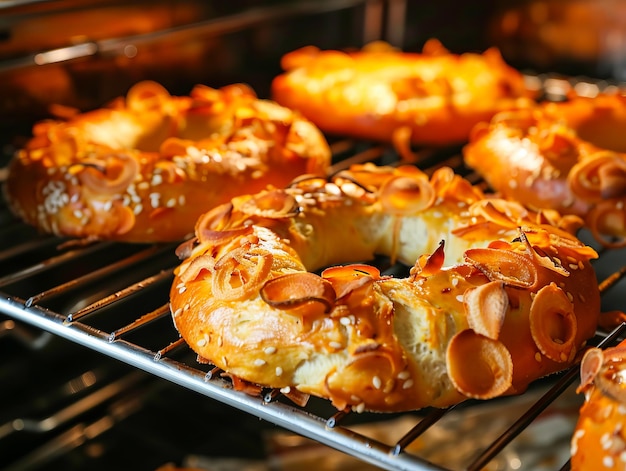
(538, 356)
(459, 298)
(270, 350)
(389, 385)
(285, 390)
(154, 199)
(220, 341)
(138, 209)
(407, 384)
(201, 343)
(171, 203)
(577, 436)
(335, 345)
(279, 371)
(177, 312)
(569, 296)
(359, 408)
(376, 382)
(259, 362)
(608, 461)
(454, 281)
(344, 321)
(404, 375)
(528, 182)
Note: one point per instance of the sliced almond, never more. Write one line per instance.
(553, 323)
(479, 367)
(486, 307)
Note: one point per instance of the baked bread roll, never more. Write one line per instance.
(497, 296)
(599, 439)
(568, 156)
(146, 167)
(379, 93)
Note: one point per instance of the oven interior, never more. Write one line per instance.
(94, 374)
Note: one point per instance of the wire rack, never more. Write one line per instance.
(113, 299)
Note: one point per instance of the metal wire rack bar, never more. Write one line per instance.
(285, 416)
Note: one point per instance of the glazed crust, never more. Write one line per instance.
(144, 168)
(566, 156)
(508, 296)
(599, 439)
(434, 97)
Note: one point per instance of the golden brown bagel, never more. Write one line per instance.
(599, 439)
(433, 98)
(565, 156)
(514, 300)
(145, 168)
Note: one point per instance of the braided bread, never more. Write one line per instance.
(599, 439)
(566, 156)
(145, 168)
(379, 93)
(497, 296)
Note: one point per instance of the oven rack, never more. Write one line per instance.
(78, 291)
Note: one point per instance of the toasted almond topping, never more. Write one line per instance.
(479, 367)
(553, 323)
(486, 307)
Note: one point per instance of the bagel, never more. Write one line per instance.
(568, 156)
(379, 93)
(505, 295)
(599, 439)
(144, 168)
